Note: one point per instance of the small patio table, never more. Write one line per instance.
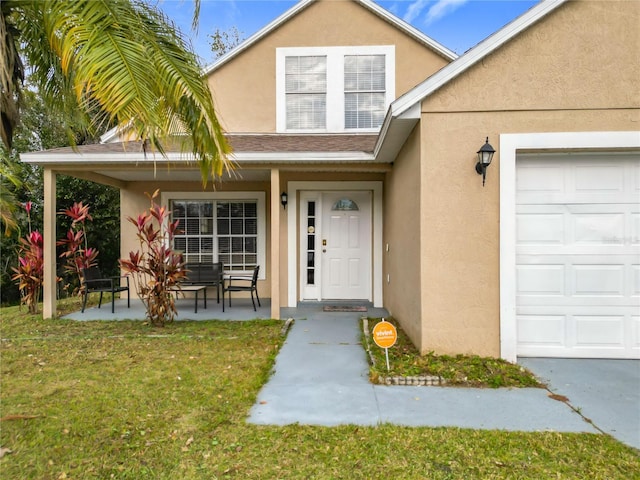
(195, 289)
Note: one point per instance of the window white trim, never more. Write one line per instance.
(510, 145)
(259, 197)
(293, 254)
(335, 82)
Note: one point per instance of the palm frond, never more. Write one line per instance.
(11, 73)
(9, 180)
(125, 63)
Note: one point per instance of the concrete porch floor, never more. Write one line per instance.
(241, 309)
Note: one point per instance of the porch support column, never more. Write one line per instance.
(49, 296)
(275, 243)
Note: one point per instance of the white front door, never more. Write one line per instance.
(335, 241)
(346, 245)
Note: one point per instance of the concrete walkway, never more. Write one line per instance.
(320, 378)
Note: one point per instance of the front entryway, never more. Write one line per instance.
(335, 243)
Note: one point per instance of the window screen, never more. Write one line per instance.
(218, 231)
(364, 86)
(306, 92)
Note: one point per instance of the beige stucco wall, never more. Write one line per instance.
(402, 234)
(586, 54)
(577, 70)
(244, 89)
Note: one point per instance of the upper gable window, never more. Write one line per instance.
(364, 91)
(306, 92)
(334, 89)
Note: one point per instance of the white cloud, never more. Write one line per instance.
(394, 9)
(414, 10)
(442, 8)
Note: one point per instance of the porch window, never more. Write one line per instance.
(218, 231)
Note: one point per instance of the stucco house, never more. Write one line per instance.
(371, 130)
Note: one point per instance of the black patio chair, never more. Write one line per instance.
(93, 281)
(251, 287)
(208, 274)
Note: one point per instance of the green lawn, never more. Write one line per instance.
(122, 400)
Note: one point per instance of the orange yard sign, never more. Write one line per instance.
(385, 334)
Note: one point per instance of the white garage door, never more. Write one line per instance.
(578, 256)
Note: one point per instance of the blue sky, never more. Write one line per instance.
(457, 24)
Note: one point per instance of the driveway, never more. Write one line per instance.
(607, 392)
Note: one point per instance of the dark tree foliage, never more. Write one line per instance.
(103, 232)
(222, 41)
(41, 129)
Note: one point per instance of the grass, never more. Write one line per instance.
(123, 400)
(458, 370)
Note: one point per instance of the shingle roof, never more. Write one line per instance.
(303, 143)
(244, 144)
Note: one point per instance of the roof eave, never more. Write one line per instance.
(473, 56)
(136, 158)
(292, 12)
(404, 112)
(394, 133)
(409, 29)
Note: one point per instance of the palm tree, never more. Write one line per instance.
(111, 62)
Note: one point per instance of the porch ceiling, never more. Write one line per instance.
(242, 172)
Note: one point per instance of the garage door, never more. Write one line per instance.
(578, 256)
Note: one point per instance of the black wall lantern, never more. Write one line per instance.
(284, 199)
(485, 155)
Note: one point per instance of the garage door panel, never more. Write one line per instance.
(599, 331)
(540, 228)
(541, 280)
(577, 256)
(541, 330)
(598, 280)
(535, 177)
(566, 225)
(635, 333)
(577, 333)
(634, 228)
(597, 179)
(559, 301)
(598, 228)
(577, 278)
(566, 180)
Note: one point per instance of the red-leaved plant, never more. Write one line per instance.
(30, 271)
(156, 267)
(78, 254)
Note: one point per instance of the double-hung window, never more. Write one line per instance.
(364, 91)
(306, 92)
(228, 230)
(333, 89)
